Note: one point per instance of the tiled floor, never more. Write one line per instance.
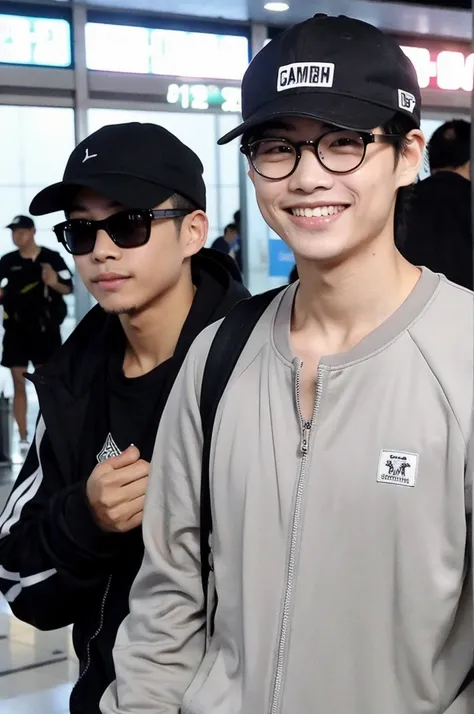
(37, 669)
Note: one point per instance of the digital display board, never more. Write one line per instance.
(202, 96)
(175, 53)
(36, 41)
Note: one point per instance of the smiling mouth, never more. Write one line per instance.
(317, 211)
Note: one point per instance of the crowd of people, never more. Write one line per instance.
(256, 504)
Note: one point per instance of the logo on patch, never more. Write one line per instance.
(406, 101)
(305, 74)
(398, 468)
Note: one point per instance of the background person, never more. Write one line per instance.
(33, 310)
(439, 227)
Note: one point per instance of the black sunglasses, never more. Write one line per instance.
(127, 229)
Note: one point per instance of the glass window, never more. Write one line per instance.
(35, 41)
(123, 48)
(35, 144)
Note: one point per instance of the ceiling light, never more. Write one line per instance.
(277, 6)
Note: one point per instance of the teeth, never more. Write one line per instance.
(318, 212)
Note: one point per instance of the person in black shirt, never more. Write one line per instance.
(70, 536)
(33, 310)
(439, 227)
(226, 243)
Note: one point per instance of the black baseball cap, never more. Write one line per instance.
(21, 222)
(137, 165)
(335, 69)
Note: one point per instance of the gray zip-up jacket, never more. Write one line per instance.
(340, 547)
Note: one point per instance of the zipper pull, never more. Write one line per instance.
(305, 438)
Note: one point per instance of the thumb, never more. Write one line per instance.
(126, 458)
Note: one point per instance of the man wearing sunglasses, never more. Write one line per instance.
(70, 536)
(338, 480)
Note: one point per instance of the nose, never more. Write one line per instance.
(104, 248)
(310, 175)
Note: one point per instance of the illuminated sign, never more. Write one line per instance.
(202, 96)
(447, 70)
(123, 48)
(35, 41)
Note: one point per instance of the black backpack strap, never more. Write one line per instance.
(229, 341)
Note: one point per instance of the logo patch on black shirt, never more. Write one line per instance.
(108, 450)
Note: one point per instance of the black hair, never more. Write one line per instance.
(230, 227)
(450, 145)
(293, 276)
(400, 127)
(182, 203)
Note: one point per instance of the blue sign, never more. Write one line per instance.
(40, 41)
(280, 259)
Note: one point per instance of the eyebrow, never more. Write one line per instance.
(77, 207)
(286, 126)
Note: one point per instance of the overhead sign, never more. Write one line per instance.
(445, 70)
(38, 41)
(202, 96)
(175, 53)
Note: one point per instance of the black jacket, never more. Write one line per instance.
(57, 567)
(439, 230)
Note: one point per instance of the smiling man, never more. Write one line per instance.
(70, 536)
(337, 473)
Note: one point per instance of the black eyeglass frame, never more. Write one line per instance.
(148, 215)
(366, 136)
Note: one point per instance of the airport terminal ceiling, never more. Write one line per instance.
(437, 18)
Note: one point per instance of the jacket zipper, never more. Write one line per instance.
(96, 633)
(306, 427)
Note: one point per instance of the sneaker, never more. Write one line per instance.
(24, 448)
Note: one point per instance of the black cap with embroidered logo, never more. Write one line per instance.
(21, 222)
(137, 165)
(334, 69)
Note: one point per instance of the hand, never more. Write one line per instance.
(48, 275)
(116, 491)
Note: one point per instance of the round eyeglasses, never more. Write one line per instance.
(339, 152)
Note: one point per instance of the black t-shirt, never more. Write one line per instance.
(27, 301)
(129, 407)
(124, 411)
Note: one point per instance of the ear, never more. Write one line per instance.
(410, 160)
(193, 233)
(251, 173)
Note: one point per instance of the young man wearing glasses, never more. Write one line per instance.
(70, 536)
(339, 490)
